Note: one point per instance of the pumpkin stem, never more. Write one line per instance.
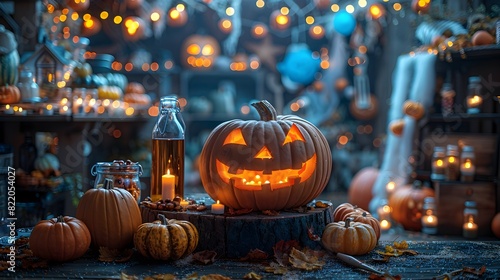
(266, 110)
(108, 184)
(163, 219)
(348, 222)
(60, 219)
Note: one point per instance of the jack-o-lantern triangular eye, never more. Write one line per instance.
(263, 153)
(235, 137)
(294, 134)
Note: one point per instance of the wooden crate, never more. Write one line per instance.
(450, 203)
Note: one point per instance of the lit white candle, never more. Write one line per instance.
(429, 221)
(467, 168)
(184, 203)
(167, 186)
(218, 208)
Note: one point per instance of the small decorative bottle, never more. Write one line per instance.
(470, 220)
(467, 164)
(429, 218)
(167, 170)
(438, 164)
(27, 87)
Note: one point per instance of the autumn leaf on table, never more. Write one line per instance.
(214, 277)
(321, 204)
(282, 250)
(255, 255)
(304, 261)
(204, 257)
(276, 268)
(312, 235)
(397, 249)
(252, 275)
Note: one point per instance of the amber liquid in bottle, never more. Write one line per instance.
(168, 155)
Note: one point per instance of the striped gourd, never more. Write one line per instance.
(8, 68)
(166, 240)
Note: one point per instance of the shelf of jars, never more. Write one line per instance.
(64, 111)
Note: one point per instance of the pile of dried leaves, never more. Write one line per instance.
(288, 255)
(396, 250)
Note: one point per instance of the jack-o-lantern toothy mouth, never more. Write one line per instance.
(254, 180)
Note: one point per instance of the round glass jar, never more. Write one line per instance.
(125, 175)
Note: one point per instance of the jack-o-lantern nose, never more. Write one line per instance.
(263, 153)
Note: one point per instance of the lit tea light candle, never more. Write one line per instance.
(167, 186)
(474, 103)
(19, 111)
(184, 203)
(385, 225)
(78, 106)
(48, 110)
(217, 208)
(429, 224)
(470, 229)
(8, 110)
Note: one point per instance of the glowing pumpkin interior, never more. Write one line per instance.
(254, 180)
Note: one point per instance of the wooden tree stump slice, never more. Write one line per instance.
(236, 236)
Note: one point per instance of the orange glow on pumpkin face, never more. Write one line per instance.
(250, 179)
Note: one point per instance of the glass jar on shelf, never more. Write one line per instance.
(429, 217)
(124, 174)
(452, 163)
(474, 97)
(470, 227)
(438, 163)
(467, 164)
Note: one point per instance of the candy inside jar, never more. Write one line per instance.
(125, 175)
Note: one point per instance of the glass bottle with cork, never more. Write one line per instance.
(167, 170)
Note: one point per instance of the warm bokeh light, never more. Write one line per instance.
(396, 6)
(349, 8)
(343, 140)
(225, 25)
(155, 16)
(309, 19)
(117, 19)
(230, 11)
(260, 3)
(104, 15)
(335, 8)
(153, 111)
(317, 32)
(86, 17)
(376, 11)
(259, 30)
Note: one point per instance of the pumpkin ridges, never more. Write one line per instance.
(178, 240)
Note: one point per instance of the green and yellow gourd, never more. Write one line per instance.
(9, 57)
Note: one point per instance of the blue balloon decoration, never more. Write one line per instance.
(299, 66)
(344, 23)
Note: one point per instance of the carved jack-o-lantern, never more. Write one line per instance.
(199, 51)
(276, 163)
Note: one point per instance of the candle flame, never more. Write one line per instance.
(217, 201)
(439, 162)
(467, 164)
(451, 159)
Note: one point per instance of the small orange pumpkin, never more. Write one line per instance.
(406, 203)
(60, 239)
(397, 126)
(495, 225)
(349, 237)
(414, 109)
(343, 210)
(366, 218)
(111, 214)
(9, 94)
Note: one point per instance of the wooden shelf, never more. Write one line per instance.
(59, 118)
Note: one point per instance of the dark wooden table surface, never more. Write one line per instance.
(434, 258)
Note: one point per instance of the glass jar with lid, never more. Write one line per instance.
(467, 164)
(125, 175)
(438, 163)
(470, 227)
